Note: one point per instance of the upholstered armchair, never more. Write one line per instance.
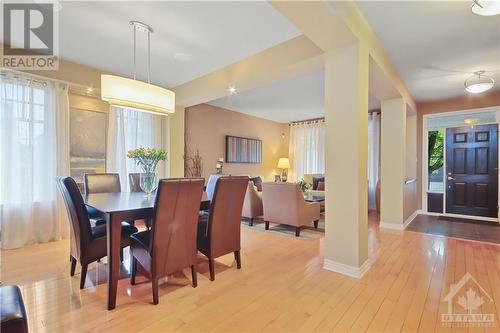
(284, 203)
(252, 206)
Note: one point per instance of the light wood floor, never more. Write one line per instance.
(281, 287)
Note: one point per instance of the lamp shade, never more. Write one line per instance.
(283, 163)
(133, 94)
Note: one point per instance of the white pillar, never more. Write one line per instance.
(392, 163)
(346, 204)
(176, 134)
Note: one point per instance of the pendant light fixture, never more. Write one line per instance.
(486, 7)
(134, 94)
(479, 83)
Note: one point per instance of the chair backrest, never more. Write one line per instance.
(281, 201)
(252, 205)
(174, 227)
(134, 180)
(224, 220)
(212, 180)
(102, 183)
(77, 214)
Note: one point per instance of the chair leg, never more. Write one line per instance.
(154, 283)
(251, 222)
(83, 275)
(237, 258)
(212, 269)
(133, 270)
(121, 254)
(267, 225)
(194, 276)
(297, 231)
(316, 224)
(73, 266)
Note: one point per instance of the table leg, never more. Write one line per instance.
(113, 227)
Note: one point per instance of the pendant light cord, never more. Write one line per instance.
(149, 56)
(135, 69)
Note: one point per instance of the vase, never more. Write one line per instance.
(148, 182)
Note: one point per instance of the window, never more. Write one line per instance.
(435, 161)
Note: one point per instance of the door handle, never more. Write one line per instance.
(451, 178)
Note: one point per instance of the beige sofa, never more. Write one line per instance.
(284, 203)
(252, 206)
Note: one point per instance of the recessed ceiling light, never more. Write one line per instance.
(479, 83)
(232, 90)
(89, 90)
(486, 7)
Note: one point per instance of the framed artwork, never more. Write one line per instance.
(87, 142)
(243, 150)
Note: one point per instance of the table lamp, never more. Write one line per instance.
(284, 165)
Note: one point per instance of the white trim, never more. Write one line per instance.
(399, 226)
(352, 271)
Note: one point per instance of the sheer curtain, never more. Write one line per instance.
(34, 149)
(373, 158)
(130, 129)
(307, 148)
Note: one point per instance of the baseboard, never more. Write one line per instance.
(352, 271)
(397, 226)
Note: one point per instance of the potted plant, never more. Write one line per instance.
(147, 159)
(304, 186)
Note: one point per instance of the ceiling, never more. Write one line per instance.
(436, 45)
(298, 98)
(190, 39)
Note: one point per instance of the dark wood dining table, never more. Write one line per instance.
(115, 208)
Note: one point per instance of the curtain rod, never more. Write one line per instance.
(79, 89)
(307, 121)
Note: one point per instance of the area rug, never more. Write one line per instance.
(308, 233)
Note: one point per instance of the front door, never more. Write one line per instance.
(471, 170)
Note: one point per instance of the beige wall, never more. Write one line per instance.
(207, 126)
(450, 105)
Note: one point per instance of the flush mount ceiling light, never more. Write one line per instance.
(486, 7)
(479, 83)
(134, 94)
(232, 90)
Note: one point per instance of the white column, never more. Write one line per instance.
(346, 115)
(176, 134)
(392, 163)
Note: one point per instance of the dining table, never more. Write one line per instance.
(115, 208)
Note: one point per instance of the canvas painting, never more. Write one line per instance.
(88, 143)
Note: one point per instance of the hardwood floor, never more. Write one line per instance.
(281, 287)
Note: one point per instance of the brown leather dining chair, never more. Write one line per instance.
(134, 180)
(100, 183)
(170, 245)
(88, 244)
(219, 232)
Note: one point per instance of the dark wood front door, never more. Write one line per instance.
(471, 170)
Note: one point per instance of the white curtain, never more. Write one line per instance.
(34, 149)
(307, 149)
(130, 129)
(373, 158)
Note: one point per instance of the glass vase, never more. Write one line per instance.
(148, 182)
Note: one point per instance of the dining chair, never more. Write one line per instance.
(100, 183)
(212, 180)
(170, 245)
(134, 180)
(219, 232)
(88, 244)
